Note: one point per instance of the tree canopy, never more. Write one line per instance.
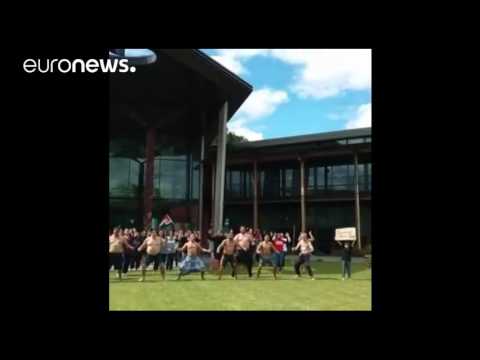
(235, 139)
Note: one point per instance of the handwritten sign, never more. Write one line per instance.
(346, 234)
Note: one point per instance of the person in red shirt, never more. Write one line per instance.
(278, 242)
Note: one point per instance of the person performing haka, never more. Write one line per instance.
(266, 249)
(154, 245)
(244, 254)
(117, 246)
(306, 249)
(229, 246)
(192, 262)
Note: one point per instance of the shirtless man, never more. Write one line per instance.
(117, 245)
(244, 255)
(154, 245)
(266, 249)
(306, 249)
(192, 262)
(229, 246)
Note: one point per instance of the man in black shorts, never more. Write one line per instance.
(244, 255)
(154, 245)
(229, 246)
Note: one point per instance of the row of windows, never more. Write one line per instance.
(176, 168)
(277, 183)
(172, 178)
(339, 177)
(361, 140)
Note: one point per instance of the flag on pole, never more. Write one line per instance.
(166, 221)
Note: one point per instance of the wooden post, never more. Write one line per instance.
(201, 190)
(302, 195)
(255, 195)
(149, 174)
(220, 168)
(357, 203)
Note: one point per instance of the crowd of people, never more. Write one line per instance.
(133, 250)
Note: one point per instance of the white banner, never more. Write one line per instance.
(346, 234)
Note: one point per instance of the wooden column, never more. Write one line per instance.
(302, 195)
(149, 174)
(220, 168)
(201, 190)
(255, 195)
(212, 212)
(357, 203)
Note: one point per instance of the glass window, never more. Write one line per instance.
(356, 141)
(262, 183)
(311, 178)
(124, 177)
(170, 179)
(248, 184)
(369, 177)
(340, 177)
(271, 183)
(236, 183)
(195, 191)
(288, 190)
(320, 178)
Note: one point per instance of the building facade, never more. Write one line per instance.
(163, 118)
(168, 155)
(264, 184)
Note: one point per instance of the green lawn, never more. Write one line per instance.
(327, 292)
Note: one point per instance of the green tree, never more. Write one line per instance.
(235, 139)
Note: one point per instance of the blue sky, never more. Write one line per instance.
(299, 91)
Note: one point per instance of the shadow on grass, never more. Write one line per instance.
(319, 269)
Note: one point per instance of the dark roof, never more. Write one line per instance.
(233, 88)
(180, 79)
(302, 139)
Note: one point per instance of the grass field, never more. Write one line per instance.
(327, 292)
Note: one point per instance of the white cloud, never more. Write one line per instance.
(237, 127)
(232, 58)
(321, 73)
(363, 117)
(325, 73)
(231, 64)
(260, 104)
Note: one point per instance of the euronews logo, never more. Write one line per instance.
(77, 66)
(120, 60)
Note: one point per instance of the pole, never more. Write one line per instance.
(149, 174)
(357, 203)
(302, 194)
(255, 195)
(220, 168)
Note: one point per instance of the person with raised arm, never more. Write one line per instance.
(244, 255)
(306, 249)
(117, 246)
(266, 249)
(192, 262)
(153, 245)
(229, 246)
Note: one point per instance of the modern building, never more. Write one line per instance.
(263, 186)
(162, 119)
(168, 155)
